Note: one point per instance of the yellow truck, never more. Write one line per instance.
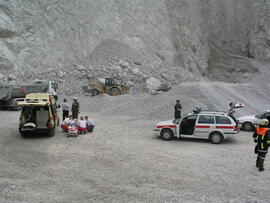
(38, 114)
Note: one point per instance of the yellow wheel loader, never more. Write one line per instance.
(107, 86)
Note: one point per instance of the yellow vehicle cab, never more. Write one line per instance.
(38, 114)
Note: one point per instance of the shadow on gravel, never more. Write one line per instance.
(36, 136)
(195, 140)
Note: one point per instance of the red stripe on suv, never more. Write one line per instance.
(203, 126)
(225, 127)
(163, 126)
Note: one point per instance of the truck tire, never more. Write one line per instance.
(24, 135)
(115, 91)
(51, 132)
(95, 92)
(216, 138)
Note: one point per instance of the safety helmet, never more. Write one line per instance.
(263, 122)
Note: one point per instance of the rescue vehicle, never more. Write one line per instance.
(38, 114)
(213, 125)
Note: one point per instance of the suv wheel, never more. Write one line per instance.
(247, 126)
(166, 134)
(216, 138)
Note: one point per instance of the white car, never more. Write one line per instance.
(248, 123)
(212, 125)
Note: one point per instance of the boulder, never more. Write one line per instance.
(7, 28)
(153, 83)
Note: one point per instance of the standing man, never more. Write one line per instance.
(177, 110)
(65, 109)
(75, 108)
(261, 136)
(231, 112)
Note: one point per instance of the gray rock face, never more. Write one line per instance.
(171, 40)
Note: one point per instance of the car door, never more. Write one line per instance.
(204, 125)
(187, 125)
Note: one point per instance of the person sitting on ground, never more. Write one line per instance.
(82, 125)
(89, 124)
(66, 123)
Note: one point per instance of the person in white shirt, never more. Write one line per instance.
(65, 109)
(89, 124)
(82, 125)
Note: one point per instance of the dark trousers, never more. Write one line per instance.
(75, 114)
(177, 114)
(90, 128)
(260, 160)
(65, 114)
(234, 119)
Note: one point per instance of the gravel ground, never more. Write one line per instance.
(123, 161)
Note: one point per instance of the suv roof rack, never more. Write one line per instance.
(212, 111)
(199, 110)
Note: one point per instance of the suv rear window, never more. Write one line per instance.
(206, 119)
(223, 120)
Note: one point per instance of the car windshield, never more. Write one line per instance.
(260, 115)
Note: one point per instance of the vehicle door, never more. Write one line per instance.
(205, 124)
(187, 125)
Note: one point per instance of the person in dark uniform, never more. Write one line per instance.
(75, 108)
(261, 136)
(177, 110)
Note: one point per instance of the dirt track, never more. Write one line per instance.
(124, 161)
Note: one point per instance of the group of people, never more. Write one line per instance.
(84, 124)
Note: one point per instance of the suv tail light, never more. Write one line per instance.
(235, 128)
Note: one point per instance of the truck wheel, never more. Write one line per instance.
(166, 134)
(23, 134)
(51, 132)
(216, 138)
(247, 126)
(95, 92)
(115, 91)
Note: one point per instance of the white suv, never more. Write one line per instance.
(248, 123)
(212, 125)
